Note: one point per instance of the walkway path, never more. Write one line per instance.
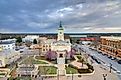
(98, 75)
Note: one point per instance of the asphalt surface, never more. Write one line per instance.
(103, 60)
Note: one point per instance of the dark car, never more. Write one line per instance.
(119, 61)
(21, 51)
(110, 57)
(113, 58)
(16, 49)
(100, 52)
(104, 54)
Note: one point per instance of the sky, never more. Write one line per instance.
(77, 16)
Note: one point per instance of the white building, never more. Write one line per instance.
(30, 38)
(9, 40)
(56, 43)
(61, 46)
(7, 45)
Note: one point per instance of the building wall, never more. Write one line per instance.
(7, 46)
(30, 38)
(111, 45)
(61, 48)
(46, 47)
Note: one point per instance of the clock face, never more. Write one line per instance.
(60, 32)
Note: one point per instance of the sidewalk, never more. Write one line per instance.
(98, 75)
(3, 78)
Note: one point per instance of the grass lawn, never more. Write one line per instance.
(70, 70)
(47, 70)
(30, 60)
(40, 57)
(43, 58)
(20, 78)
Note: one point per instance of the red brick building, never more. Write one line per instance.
(111, 45)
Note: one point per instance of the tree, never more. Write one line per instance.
(82, 61)
(18, 39)
(78, 41)
(71, 41)
(70, 54)
(51, 55)
(35, 41)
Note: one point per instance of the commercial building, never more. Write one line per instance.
(111, 45)
(8, 44)
(30, 38)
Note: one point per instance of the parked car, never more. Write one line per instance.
(109, 57)
(100, 52)
(119, 61)
(113, 58)
(21, 51)
(104, 54)
(118, 72)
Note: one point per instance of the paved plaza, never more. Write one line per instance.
(98, 75)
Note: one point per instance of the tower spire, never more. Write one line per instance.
(60, 32)
(60, 24)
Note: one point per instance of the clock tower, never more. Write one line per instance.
(60, 33)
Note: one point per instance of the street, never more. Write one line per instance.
(104, 59)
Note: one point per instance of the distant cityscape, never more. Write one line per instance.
(60, 56)
(60, 39)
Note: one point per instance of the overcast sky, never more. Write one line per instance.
(76, 15)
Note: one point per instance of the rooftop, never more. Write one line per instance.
(6, 42)
(61, 43)
(111, 37)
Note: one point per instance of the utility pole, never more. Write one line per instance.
(110, 67)
(104, 76)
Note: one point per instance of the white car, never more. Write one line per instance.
(118, 72)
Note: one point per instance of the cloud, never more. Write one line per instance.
(44, 15)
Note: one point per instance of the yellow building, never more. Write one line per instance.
(1, 48)
(111, 45)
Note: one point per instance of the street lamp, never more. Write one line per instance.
(104, 76)
(110, 67)
(72, 75)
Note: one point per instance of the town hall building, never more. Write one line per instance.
(61, 46)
